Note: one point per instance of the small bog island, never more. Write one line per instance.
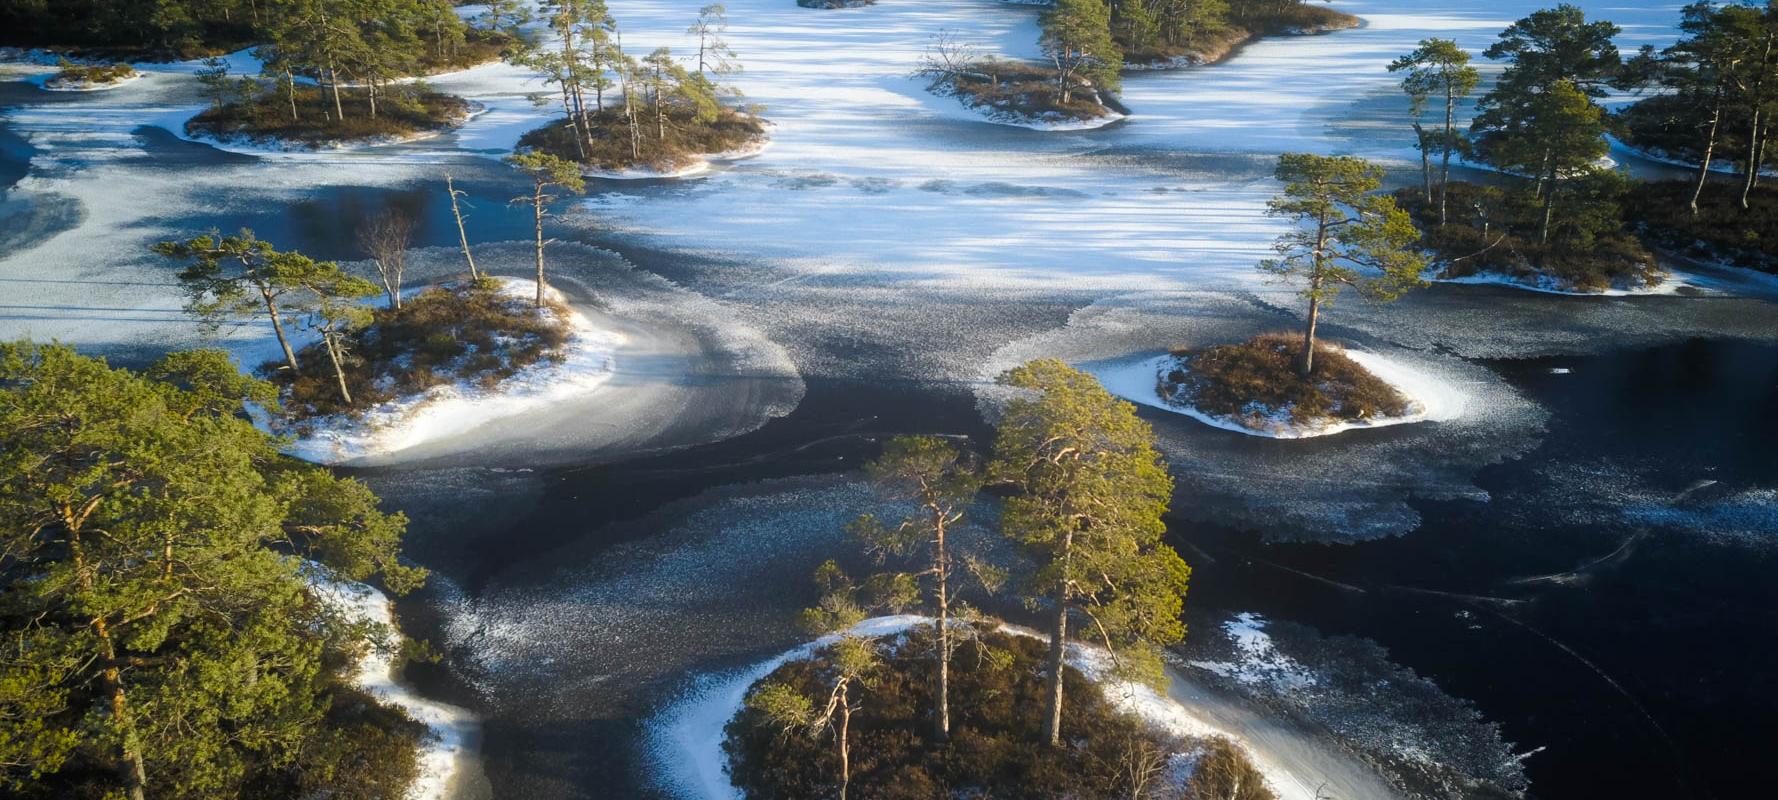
(656, 116)
(343, 84)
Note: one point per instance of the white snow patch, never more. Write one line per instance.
(445, 411)
(1430, 398)
(1259, 660)
(451, 730)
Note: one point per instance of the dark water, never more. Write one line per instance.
(1645, 671)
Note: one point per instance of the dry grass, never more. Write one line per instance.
(1253, 382)
(403, 110)
(451, 334)
(686, 139)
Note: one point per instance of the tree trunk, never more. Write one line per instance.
(537, 202)
(1709, 151)
(130, 768)
(942, 729)
(1052, 732)
(271, 309)
(462, 235)
(1307, 362)
(1444, 169)
(331, 342)
(290, 90)
(845, 744)
(573, 124)
(1752, 158)
(1425, 162)
(1549, 209)
(333, 81)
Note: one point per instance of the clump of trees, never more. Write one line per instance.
(363, 355)
(620, 111)
(1157, 31)
(161, 638)
(959, 702)
(1559, 224)
(1716, 111)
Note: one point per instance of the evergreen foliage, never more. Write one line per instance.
(1090, 490)
(162, 642)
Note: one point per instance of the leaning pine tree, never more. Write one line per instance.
(1346, 236)
(1090, 491)
(1440, 69)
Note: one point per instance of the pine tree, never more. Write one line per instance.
(1438, 68)
(545, 171)
(1090, 493)
(714, 55)
(1077, 40)
(159, 632)
(941, 481)
(1347, 236)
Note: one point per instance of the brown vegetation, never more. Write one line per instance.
(996, 747)
(402, 111)
(77, 75)
(1491, 231)
(1019, 90)
(464, 332)
(1255, 382)
(1721, 231)
(676, 144)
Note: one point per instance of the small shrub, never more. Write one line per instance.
(1223, 772)
(997, 722)
(73, 74)
(1256, 381)
(471, 333)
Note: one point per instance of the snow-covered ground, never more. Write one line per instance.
(453, 733)
(1671, 283)
(685, 739)
(381, 433)
(1430, 398)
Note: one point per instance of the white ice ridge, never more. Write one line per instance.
(1258, 660)
(684, 741)
(1431, 398)
(384, 431)
(451, 731)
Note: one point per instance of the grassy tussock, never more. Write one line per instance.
(1217, 44)
(1256, 380)
(446, 335)
(72, 74)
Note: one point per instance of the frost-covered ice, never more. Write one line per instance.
(1259, 660)
(452, 733)
(386, 430)
(1671, 283)
(1430, 398)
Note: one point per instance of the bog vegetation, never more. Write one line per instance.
(958, 705)
(1257, 384)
